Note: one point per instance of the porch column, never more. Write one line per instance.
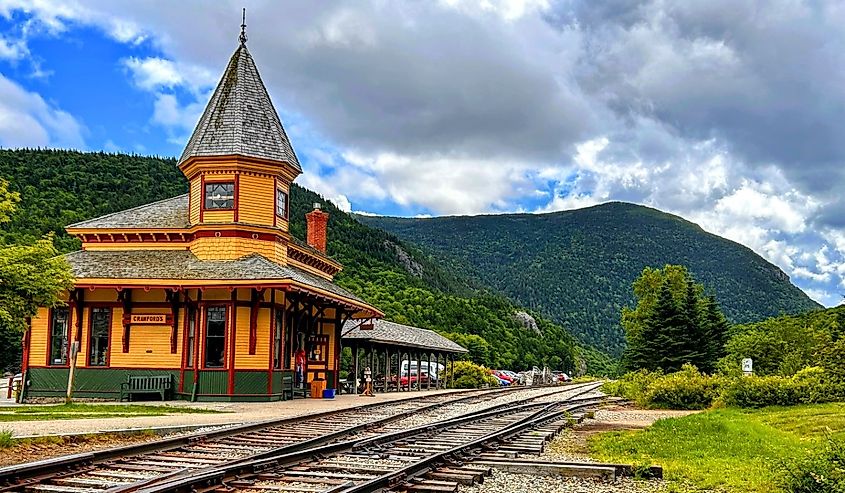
(419, 371)
(355, 359)
(408, 376)
(428, 385)
(386, 370)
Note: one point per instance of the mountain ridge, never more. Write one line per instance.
(601, 249)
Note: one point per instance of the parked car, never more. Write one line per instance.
(434, 371)
(561, 377)
(502, 375)
(514, 376)
(422, 379)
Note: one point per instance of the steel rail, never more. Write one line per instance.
(201, 480)
(34, 470)
(30, 474)
(427, 464)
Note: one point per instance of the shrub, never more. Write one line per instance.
(822, 472)
(468, 375)
(757, 391)
(810, 385)
(690, 389)
(684, 389)
(633, 385)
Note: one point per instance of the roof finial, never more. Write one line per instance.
(243, 37)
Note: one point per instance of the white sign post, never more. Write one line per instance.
(747, 367)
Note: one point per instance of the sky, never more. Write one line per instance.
(730, 113)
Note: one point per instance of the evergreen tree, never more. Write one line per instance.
(672, 323)
(715, 328)
(695, 348)
(667, 328)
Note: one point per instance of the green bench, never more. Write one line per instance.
(147, 384)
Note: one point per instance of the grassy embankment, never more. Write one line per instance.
(90, 411)
(726, 449)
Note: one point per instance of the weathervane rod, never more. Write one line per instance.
(242, 37)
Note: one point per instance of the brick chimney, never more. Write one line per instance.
(317, 221)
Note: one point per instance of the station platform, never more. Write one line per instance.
(232, 413)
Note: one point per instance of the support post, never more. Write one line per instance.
(408, 374)
(419, 371)
(370, 363)
(355, 360)
(428, 385)
(386, 370)
(76, 338)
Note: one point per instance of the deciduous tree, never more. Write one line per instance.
(31, 275)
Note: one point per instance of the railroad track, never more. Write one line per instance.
(137, 466)
(418, 459)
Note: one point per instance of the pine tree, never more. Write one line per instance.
(668, 326)
(695, 347)
(715, 327)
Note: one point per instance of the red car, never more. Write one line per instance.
(403, 380)
(501, 375)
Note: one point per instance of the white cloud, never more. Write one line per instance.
(154, 73)
(12, 49)
(26, 120)
(824, 297)
(178, 119)
(507, 9)
(444, 184)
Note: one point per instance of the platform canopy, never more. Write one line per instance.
(392, 334)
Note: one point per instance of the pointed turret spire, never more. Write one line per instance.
(240, 118)
(243, 37)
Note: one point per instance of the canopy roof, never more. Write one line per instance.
(387, 333)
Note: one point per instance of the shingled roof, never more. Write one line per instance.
(240, 118)
(183, 265)
(169, 213)
(395, 334)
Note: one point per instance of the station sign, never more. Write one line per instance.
(148, 319)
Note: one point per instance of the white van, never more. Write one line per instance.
(436, 368)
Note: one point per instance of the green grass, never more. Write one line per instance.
(90, 411)
(725, 449)
(6, 440)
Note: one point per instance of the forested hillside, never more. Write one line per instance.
(61, 187)
(576, 267)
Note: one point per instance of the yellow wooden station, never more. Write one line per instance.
(206, 295)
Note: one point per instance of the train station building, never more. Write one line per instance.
(208, 290)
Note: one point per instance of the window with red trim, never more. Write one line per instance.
(58, 336)
(219, 195)
(98, 345)
(215, 336)
(192, 332)
(281, 203)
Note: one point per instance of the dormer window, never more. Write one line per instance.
(281, 203)
(220, 195)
